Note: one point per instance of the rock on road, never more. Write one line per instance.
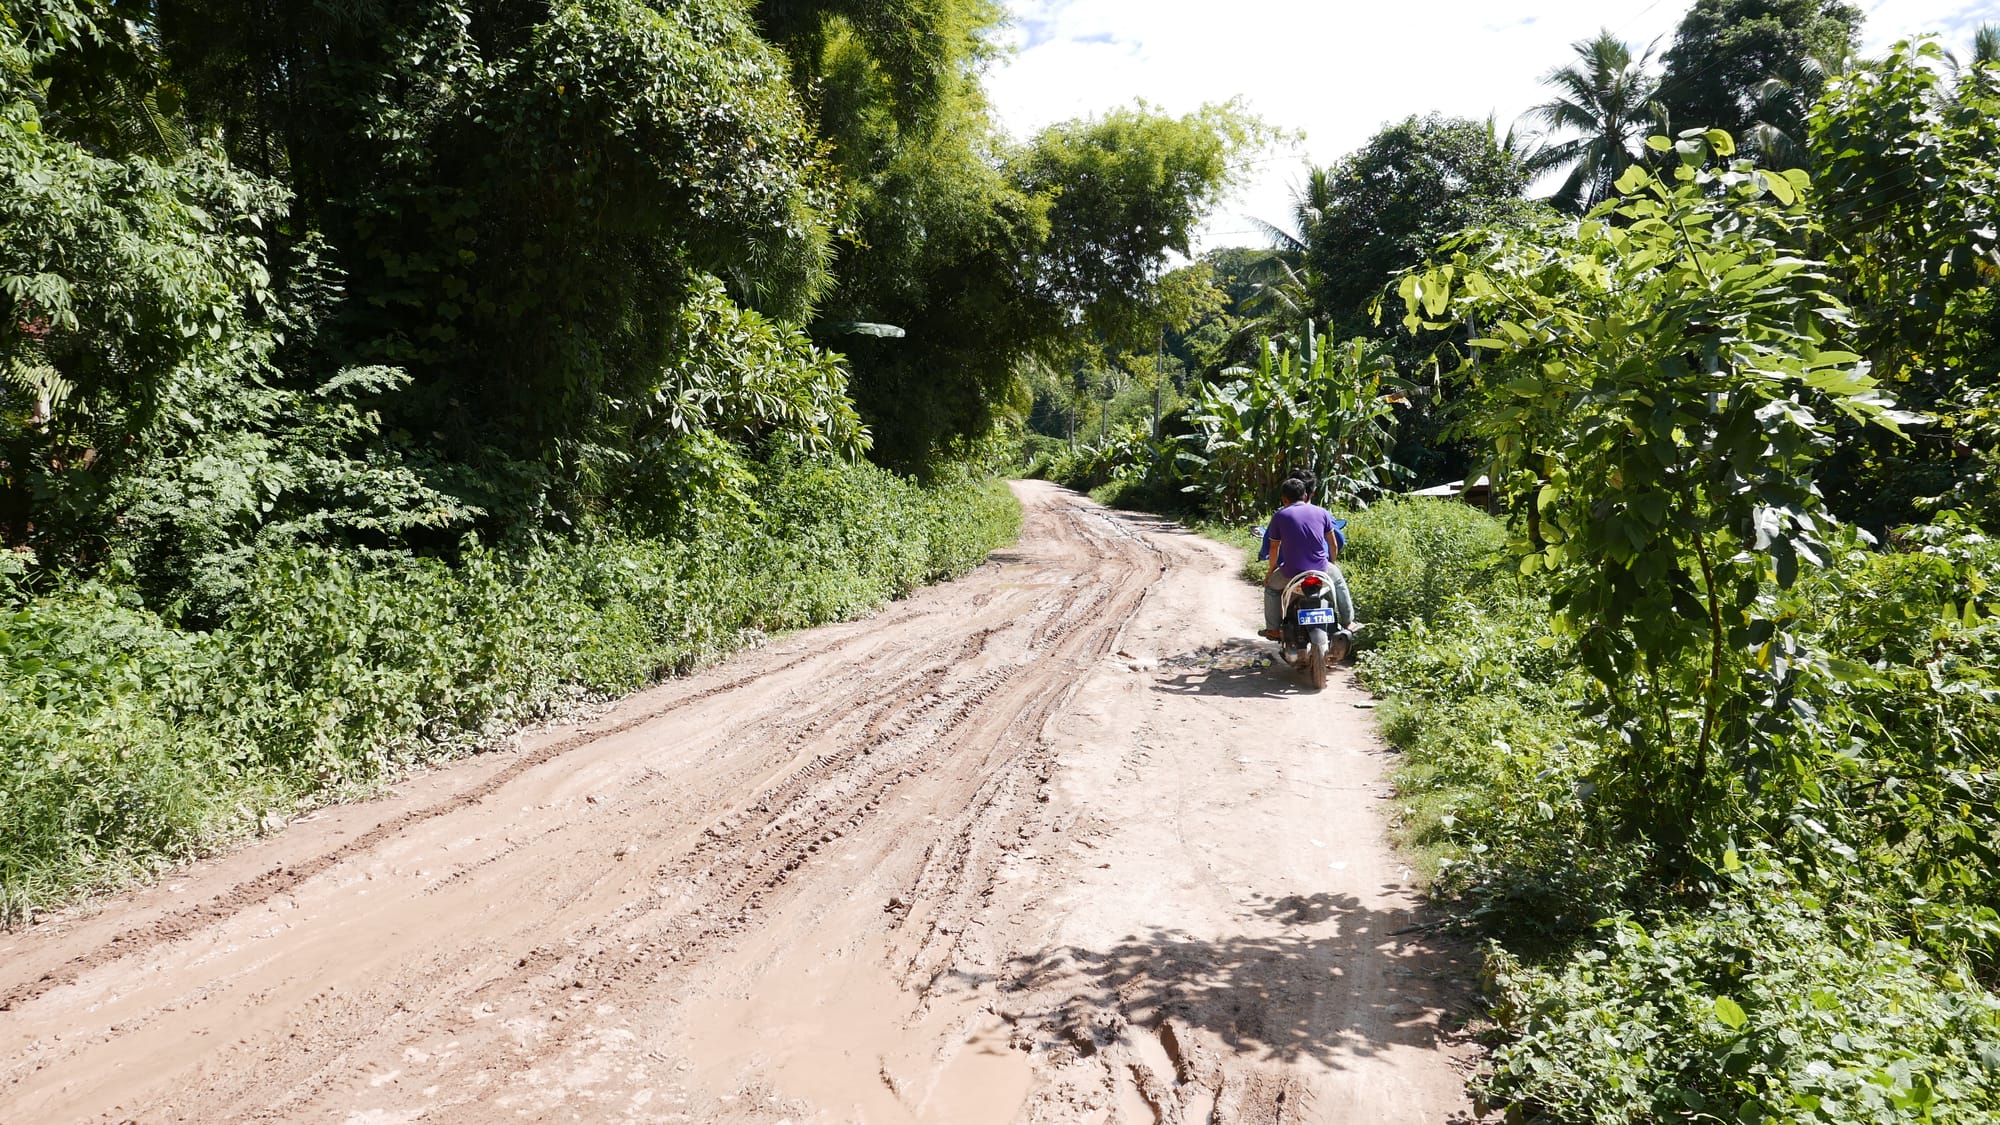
(1043, 844)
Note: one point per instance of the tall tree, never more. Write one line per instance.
(1754, 68)
(932, 236)
(1659, 388)
(921, 48)
(1979, 75)
(1280, 300)
(1393, 201)
(1125, 189)
(1605, 105)
(522, 196)
(1909, 179)
(993, 256)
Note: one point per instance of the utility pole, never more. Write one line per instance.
(1159, 376)
(1076, 389)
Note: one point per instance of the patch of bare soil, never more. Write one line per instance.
(1045, 844)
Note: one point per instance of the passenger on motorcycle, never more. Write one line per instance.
(1303, 536)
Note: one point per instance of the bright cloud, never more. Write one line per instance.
(1337, 71)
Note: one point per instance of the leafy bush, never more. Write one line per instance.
(1409, 558)
(1037, 450)
(145, 428)
(1760, 1009)
(96, 773)
(1125, 455)
(1536, 838)
(126, 743)
(1496, 771)
(1322, 409)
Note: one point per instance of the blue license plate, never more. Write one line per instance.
(1316, 617)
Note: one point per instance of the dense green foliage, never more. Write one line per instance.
(548, 216)
(1395, 199)
(1659, 384)
(1716, 771)
(1324, 411)
(517, 195)
(1837, 961)
(1414, 559)
(1702, 732)
(1909, 171)
(1050, 260)
(1230, 316)
(146, 428)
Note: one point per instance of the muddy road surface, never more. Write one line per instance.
(1044, 844)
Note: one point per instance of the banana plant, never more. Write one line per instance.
(1326, 410)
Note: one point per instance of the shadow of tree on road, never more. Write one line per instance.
(1376, 981)
(1240, 669)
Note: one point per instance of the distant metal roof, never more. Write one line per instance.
(1458, 489)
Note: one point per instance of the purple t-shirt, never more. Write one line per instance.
(1300, 532)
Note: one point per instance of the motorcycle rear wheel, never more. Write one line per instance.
(1316, 665)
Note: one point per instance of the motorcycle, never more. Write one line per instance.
(1313, 638)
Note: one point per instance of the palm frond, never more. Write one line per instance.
(1280, 238)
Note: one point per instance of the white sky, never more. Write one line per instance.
(1338, 70)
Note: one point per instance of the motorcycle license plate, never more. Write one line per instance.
(1316, 617)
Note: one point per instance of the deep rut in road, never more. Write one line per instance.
(1044, 844)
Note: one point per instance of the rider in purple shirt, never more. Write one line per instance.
(1300, 531)
(1303, 536)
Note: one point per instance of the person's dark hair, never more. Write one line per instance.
(1293, 490)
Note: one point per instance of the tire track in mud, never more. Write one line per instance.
(564, 969)
(178, 924)
(901, 740)
(826, 768)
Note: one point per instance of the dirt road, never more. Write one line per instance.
(1040, 845)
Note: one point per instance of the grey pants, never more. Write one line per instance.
(1274, 593)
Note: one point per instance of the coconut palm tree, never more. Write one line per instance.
(1524, 147)
(1776, 134)
(1596, 126)
(1282, 298)
(1310, 201)
(1979, 75)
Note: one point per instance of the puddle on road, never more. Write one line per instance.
(839, 1036)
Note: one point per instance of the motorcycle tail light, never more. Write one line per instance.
(1312, 583)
